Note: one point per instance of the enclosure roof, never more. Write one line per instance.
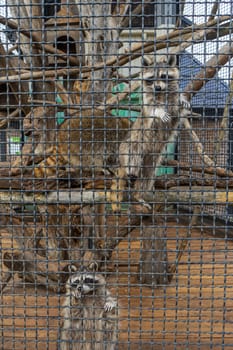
(214, 92)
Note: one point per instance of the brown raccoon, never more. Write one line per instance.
(87, 144)
(162, 107)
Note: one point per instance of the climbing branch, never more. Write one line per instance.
(209, 70)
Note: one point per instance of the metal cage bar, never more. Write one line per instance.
(115, 175)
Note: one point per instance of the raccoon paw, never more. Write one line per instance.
(110, 305)
(160, 113)
(184, 102)
(166, 117)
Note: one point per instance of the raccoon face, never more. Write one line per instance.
(161, 78)
(81, 284)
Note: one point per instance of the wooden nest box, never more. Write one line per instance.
(63, 31)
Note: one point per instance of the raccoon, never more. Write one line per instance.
(89, 313)
(95, 142)
(162, 107)
(87, 144)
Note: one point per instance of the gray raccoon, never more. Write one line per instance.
(162, 107)
(89, 313)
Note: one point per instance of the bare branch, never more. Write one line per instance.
(23, 12)
(209, 70)
(10, 117)
(172, 39)
(6, 277)
(121, 8)
(214, 10)
(199, 147)
(193, 38)
(119, 97)
(136, 11)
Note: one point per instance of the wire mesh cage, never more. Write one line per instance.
(116, 175)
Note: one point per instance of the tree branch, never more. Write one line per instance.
(172, 39)
(214, 10)
(37, 41)
(12, 116)
(198, 145)
(125, 21)
(209, 70)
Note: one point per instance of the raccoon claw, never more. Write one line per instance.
(161, 114)
(109, 305)
(184, 102)
(166, 117)
(186, 105)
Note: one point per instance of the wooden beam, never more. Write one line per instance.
(192, 195)
(195, 195)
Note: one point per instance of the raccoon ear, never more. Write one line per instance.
(93, 266)
(172, 60)
(72, 268)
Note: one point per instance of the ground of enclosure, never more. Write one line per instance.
(194, 312)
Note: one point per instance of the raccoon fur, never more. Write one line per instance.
(89, 313)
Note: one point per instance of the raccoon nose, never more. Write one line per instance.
(80, 289)
(157, 88)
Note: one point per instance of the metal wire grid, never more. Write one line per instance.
(44, 226)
